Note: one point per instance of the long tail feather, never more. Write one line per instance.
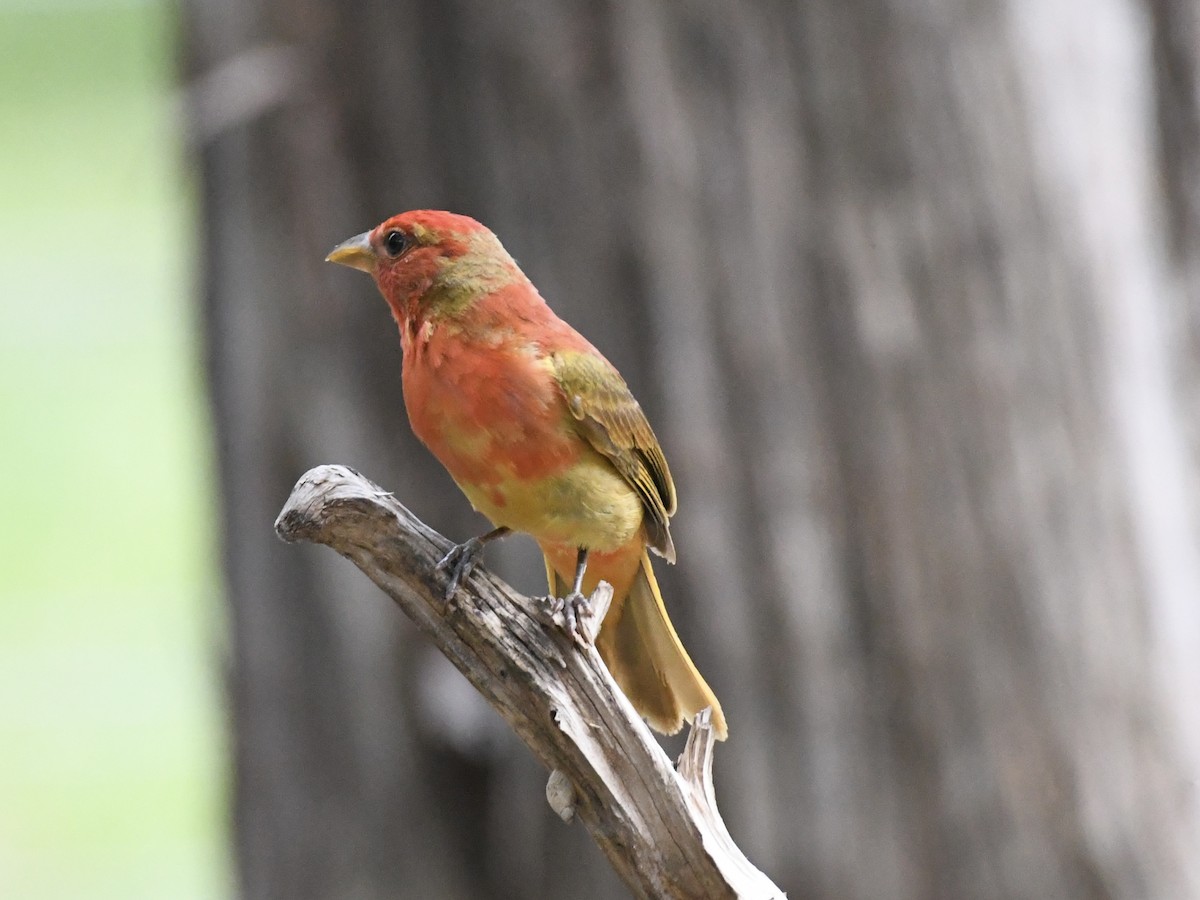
(644, 654)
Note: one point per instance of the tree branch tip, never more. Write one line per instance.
(560, 794)
(695, 762)
(301, 518)
(293, 524)
(600, 600)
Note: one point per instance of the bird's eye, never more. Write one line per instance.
(396, 243)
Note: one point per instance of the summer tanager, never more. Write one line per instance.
(541, 433)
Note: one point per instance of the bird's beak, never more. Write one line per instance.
(355, 253)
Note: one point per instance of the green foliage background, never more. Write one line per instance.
(110, 735)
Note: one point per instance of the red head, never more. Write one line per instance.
(429, 262)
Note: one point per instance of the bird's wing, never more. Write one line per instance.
(613, 423)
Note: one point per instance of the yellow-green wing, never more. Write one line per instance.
(612, 421)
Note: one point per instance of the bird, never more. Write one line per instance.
(543, 436)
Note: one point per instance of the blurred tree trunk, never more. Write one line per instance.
(909, 291)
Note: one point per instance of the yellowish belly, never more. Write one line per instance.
(587, 505)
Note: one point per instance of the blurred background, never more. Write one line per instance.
(910, 291)
(112, 759)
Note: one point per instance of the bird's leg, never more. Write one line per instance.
(462, 558)
(580, 568)
(575, 606)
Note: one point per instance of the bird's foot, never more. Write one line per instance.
(575, 608)
(459, 562)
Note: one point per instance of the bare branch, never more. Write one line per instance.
(659, 829)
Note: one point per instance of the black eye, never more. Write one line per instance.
(395, 243)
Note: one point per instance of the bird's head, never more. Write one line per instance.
(429, 263)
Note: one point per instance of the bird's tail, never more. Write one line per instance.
(644, 654)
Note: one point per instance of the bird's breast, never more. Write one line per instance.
(494, 416)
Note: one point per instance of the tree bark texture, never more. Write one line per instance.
(909, 292)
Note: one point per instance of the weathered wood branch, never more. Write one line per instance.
(659, 828)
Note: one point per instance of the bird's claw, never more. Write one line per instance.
(575, 608)
(459, 562)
